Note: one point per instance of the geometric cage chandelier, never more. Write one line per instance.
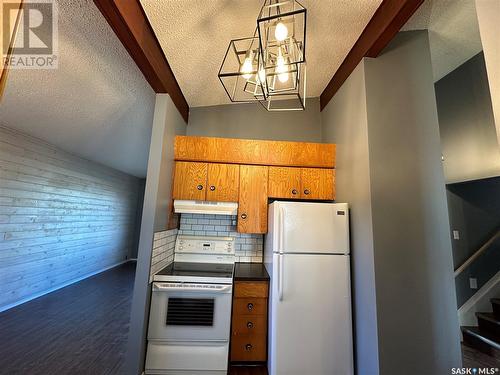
(270, 66)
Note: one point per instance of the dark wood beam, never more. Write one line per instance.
(4, 69)
(130, 23)
(388, 19)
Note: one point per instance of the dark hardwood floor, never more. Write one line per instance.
(80, 329)
(474, 358)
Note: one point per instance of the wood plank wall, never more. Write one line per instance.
(61, 217)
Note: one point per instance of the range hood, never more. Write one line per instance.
(203, 207)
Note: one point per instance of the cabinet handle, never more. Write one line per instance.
(250, 306)
(212, 188)
(199, 187)
(306, 192)
(248, 347)
(294, 191)
(243, 216)
(249, 325)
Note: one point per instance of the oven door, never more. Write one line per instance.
(190, 312)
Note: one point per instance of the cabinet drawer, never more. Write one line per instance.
(249, 324)
(251, 289)
(250, 306)
(248, 348)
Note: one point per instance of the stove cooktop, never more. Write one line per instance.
(196, 272)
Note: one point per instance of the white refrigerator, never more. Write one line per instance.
(307, 256)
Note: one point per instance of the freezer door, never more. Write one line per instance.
(312, 227)
(310, 330)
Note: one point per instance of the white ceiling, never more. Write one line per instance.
(453, 32)
(97, 104)
(194, 35)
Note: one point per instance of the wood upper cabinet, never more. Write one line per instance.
(251, 171)
(223, 182)
(284, 182)
(301, 183)
(317, 183)
(252, 208)
(190, 180)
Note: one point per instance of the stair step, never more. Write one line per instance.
(481, 341)
(495, 302)
(489, 323)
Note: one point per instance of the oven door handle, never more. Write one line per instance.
(162, 287)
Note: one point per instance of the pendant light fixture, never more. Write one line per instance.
(270, 67)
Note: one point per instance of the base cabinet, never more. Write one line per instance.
(249, 322)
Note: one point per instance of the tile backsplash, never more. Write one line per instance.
(163, 249)
(248, 247)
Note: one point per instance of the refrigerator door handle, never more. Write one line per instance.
(280, 230)
(280, 276)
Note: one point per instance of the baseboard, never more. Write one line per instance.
(24, 300)
(476, 298)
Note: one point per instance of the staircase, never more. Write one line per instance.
(486, 337)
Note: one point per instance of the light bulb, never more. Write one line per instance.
(281, 68)
(280, 32)
(246, 68)
(261, 77)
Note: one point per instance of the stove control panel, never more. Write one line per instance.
(204, 245)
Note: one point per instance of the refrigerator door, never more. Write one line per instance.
(310, 330)
(303, 227)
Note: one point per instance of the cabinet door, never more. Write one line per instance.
(284, 182)
(252, 208)
(223, 182)
(317, 183)
(190, 181)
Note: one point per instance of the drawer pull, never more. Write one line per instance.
(307, 192)
(249, 325)
(200, 187)
(294, 191)
(212, 188)
(250, 306)
(243, 216)
(248, 347)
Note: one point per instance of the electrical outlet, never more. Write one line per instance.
(456, 235)
(473, 282)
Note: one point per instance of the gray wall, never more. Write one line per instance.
(346, 124)
(400, 213)
(417, 315)
(62, 218)
(174, 125)
(252, 121)
(466, 122)
(474, 209)
(167, 123)
(488, 17)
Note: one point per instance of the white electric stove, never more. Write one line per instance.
(190, 316)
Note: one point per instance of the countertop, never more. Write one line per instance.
(250, 272)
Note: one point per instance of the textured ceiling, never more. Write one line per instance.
(453, 32)
(97, 104)
(194, 35)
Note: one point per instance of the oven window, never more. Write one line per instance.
(190, 312)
